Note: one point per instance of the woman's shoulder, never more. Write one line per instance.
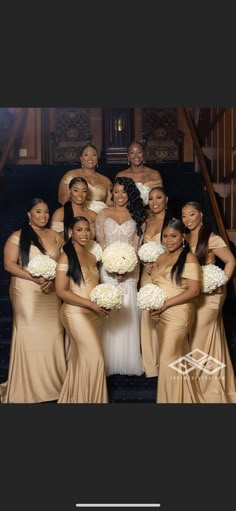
(58, 214)
(123, 173)
(105, 179)
(15, 237)
(215, 241)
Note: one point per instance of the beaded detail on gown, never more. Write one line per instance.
(120, 331)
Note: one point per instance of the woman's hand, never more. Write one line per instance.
(39, 280)
(48, 286)
(155, 314)
(148, 268)
(99, 310)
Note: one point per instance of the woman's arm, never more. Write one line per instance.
(99, 227)
(62, 289)
(11, 258)
(227, 257)
(63, 189)
(192, 290)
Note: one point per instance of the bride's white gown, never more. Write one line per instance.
(121, 330)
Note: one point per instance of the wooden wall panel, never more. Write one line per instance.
(30, 147)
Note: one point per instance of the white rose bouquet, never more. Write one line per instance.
(151, 297)
(107, 295)
(119, 258)
(212, 278)
(150, 251)
(96, 205)
(144, 192)
(95, 249)
(42, 266)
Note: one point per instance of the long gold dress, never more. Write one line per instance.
(149, 341)
(98, 185)
(85, 380)
(208, 335)
(172, 331)
(37, 365)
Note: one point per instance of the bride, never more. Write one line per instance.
(122, 222)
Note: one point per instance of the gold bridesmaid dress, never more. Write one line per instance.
(149, 341)
(97, 189)
(37, 365)
(85, 380)
(172, 331)
(208, 335)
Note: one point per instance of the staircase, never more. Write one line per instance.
(19, 184)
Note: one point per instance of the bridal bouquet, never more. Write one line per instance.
(95, 249)
(119, 257)
(150, 251)
(107, 295)
(151, 297)
(42, 266)
(144, 192)
(212, 278)
(96, 205)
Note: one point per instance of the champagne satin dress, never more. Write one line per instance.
(85, 380)
(172, 331)
(98, 185)
(37, 366)
(149, 341)
(208, 335)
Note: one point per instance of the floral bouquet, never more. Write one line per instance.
(96, 205)
(42, 266)
(150, 251)
(119, 258)
(95, 249)
(107, 295)
(151, 297)
(212, 278)
(144, 192)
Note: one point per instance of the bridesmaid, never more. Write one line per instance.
(137, 169)
(177, 272)
(207, 332)
(75, 206)
(76, 276)
(37, 365)
(99, 186)
(157, 216)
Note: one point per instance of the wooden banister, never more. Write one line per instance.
(20, 117)
(208, 183)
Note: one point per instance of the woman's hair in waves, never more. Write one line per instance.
(135, 204)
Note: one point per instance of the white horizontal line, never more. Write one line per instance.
(118, 505)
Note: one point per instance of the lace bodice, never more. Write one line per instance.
(109, 231)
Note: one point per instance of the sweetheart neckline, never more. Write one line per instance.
(110, 218)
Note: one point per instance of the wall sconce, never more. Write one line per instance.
(119, 124)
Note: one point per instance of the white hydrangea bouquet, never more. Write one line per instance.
(212, 278)
(150, 251)
(95, 249)
(151, 297)
(144, 192)
(107, 295)
(96, 205)
(119, 258)
(42, 266)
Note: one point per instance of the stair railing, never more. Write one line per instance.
(207, 181)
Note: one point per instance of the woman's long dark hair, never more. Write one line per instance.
(177, 268)
(28, 236)
(74, 268)
(68, 210)
(203, 236)
(135, 203)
